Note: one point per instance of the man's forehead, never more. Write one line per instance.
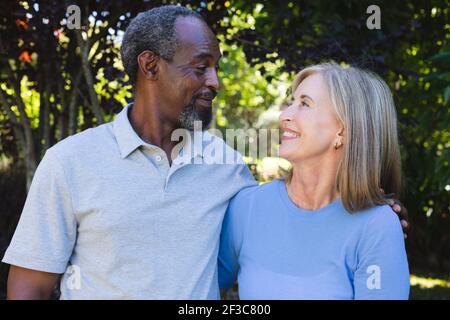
(196, 37)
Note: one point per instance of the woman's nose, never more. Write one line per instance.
(286, 114)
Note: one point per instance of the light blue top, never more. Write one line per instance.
(279, 251)
(129, 224)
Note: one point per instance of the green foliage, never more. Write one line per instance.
(264, 44)
(247, 89)
(425, 286)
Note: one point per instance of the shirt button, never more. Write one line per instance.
(158, 158)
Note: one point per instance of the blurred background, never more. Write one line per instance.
(56, 80)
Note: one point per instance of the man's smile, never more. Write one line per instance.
(204, 102)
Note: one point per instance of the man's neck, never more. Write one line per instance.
(151, 127)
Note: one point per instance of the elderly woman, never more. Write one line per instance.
(325, 231)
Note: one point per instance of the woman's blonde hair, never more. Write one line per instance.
(371, 156)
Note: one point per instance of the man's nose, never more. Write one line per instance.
(212, 80)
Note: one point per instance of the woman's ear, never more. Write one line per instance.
(148, 64)
(341, 134)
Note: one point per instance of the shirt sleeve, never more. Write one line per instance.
(246, 177)
(232, 238)
(45, 236)
(382, 271)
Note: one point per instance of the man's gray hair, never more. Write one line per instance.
(152, 30)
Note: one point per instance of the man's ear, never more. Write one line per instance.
(148, 64)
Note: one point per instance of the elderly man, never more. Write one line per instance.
(111, 209)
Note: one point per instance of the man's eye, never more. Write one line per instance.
(202, 68)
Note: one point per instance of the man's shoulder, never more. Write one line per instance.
(82, 143)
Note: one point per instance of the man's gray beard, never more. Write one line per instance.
(189, 116)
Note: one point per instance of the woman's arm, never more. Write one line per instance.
(382, 267)
(231, 238)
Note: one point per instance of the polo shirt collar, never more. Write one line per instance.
(128, 140)
(126, 137)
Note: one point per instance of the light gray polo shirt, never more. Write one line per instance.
(107, 211)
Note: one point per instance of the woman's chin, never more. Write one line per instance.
(288, 155)
(293, 155)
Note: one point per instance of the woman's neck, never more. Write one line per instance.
(313, 186)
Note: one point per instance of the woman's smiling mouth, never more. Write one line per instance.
(289, 134)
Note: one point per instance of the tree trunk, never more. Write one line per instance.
(29, 145)
(73, 109)
(86, 67)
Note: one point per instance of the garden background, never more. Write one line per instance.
(56, 81)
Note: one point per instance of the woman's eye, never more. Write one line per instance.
(304, 104)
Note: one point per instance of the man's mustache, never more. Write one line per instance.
(207, 95)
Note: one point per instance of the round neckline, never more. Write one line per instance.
(304, 213)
